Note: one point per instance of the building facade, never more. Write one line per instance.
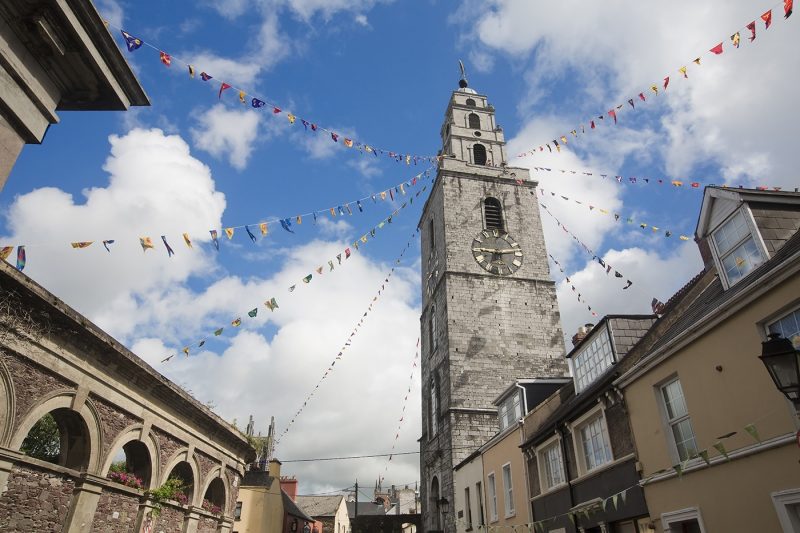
(56, 56)
(86, 428)
(489, 310)
(716, 440)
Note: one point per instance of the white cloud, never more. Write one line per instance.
(155, 188)
(243, 73)
(227, 133)
(361, 20)
(320, 144)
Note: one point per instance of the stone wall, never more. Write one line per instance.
(170, 520)
(116, 512)
(31, 382)
(167, 445)
(207, 525)
(35, 500)
(113, 420)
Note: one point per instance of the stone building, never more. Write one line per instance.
(489, 310)
(55, 56)
(86, 427)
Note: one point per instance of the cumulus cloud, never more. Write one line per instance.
(227, 133)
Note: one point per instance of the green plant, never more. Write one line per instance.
(43, 440)
(170, 490)
(119, 467)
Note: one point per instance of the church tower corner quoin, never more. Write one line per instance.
(489, 309)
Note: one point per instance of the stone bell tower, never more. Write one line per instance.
(489, 309)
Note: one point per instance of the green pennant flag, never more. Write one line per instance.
(572, 519)
(751, 429)
(218, 332)
(704, 456)
(307, 279)
(604, 503)
(252, 313)
(624, 496)
(614, 501)
(721, 449)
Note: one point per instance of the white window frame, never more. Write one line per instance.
(777, 318)
(479, 498)
(672, 446)
(583, 381)
(577, 440)
(468, 508)
(744, 210)
(542, 462)
(676, 517)
(491, 484)
(513, 402)
(508, 492)
(781, 500)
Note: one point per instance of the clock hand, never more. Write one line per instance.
(507, 251)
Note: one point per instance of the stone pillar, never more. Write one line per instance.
(191, 521)
(84, 504)
(145, 514)
(226, 526)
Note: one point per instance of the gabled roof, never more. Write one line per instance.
(365, 509)
(713, 195)
(318, 506)
(291, 508)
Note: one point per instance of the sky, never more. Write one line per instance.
(381, 73)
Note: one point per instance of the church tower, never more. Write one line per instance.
(489, 309)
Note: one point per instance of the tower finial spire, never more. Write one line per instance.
(463, 81)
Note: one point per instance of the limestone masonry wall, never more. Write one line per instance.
(116, 512)
(35, 500)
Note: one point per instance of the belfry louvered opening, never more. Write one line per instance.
(493, 213)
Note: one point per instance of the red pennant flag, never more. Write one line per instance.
(276, 110)
(613, 114)
(165, 58)
(787, 8)
(717, 49)
(222, 88)
(767, 18)
(641, 97)
(666, 82)
(752, 28)
(590, 125)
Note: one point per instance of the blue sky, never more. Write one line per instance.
(380, 72)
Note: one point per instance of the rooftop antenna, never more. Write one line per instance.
(463, 81)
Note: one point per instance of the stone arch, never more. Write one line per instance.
(434, 503)
(182, 456)
(478, 154)
(7, 405)
(61, 402)
(134, 434)
(216, 474)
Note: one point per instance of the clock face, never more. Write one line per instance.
(497, 252)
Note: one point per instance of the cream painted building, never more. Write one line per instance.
(260, 505)
(468, 498)
(700, 393)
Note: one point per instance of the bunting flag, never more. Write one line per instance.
(347, 344)
(617, 216)
(569, 282)
(608, 268)
(214, 238)
(253, 312)
(187, 240)
(250, 233)
(403, 410)
(287, 225)
(81, 245)
(106, 243)
(236, 323)
(146, 243)
(716, 50)
(271, 304)
(170, 251)
(133, 43)
(753, 432)
(5, 251)
(263, 227)
(229, 233)
(21, 259)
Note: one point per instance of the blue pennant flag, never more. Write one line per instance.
(287, 225)
(250, 233)
(258, 103)
(132, 42)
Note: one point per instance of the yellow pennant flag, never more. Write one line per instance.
(291, 118)
(364, 239)
(82, 244)
(229, 233)
(187, 240)
(348, 143)
(654, 88)
(263, 227)
(735, 38)
(5, 252)
(383, 195)
(368, 148)
(191, 71)
(408, 160)
(677, 183)
(299, 219)
(333, 212)
(236, 323)
(564, 138)
(682, 70)
(241, 96)
(683, 238)
(186, 350)
(146, 243)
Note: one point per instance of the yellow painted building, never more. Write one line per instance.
(260, 505)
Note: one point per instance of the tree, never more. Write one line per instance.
(43, 440)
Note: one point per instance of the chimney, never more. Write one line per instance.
(705, 252)
(289, 486)
(583, 331)
(275, 468)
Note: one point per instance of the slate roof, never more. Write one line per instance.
(318, 506)
(365, 508)
(257, 478)
(290, 507)
(713, 296)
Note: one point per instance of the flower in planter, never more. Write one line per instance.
(127, 479)
(182, 498)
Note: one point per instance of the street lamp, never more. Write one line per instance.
(444, 505)
(783, 364)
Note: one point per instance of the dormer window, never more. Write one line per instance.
(592, 361)
(510, 411)
(737, 251)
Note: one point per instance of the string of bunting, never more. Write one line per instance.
(148, 243)
(685, 184)
(348, 341)
(612, 114)
(621, 497)
(402, 412)
(595, 257)
(272, 303)
(581, 300)
(134, 43)
(617, 216)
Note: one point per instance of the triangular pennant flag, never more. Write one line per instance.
(787, 8)
(236, 323)
(752, 28)
(613, 114)
(218, 332)
(191, 71)
(630, 101)
(132, 42)
(704, 456)
(263, 227)
(752, 431)
(735, 38)
(767, 18)
(330, 264)
(205, 77)
(224, 86)
(165, 58)
(214, 239)
(253, 312)
(146, 243)
(255, 102)
(21, 260)
(106, 243)
(666, 82)
(319, 270)
(81, 245)
(186, 350)
(170, 251)
(229, 233)
(241, 97)
(696, 61)
(307, 279)
(721, 449)
(187, 240)
(682, 70)
(717, 49)
(250, 233)
(271, 304)
(276, 110)
(287, 225)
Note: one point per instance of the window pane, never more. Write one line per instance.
(788, 327)
(731, 232)
(674, 401)
(742, 260)
(554, 473)
(509, 489)
(593, 360)
(595, 444)
(684, 439)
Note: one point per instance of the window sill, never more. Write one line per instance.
(602, 468)
(512, 515)
(554, 488)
